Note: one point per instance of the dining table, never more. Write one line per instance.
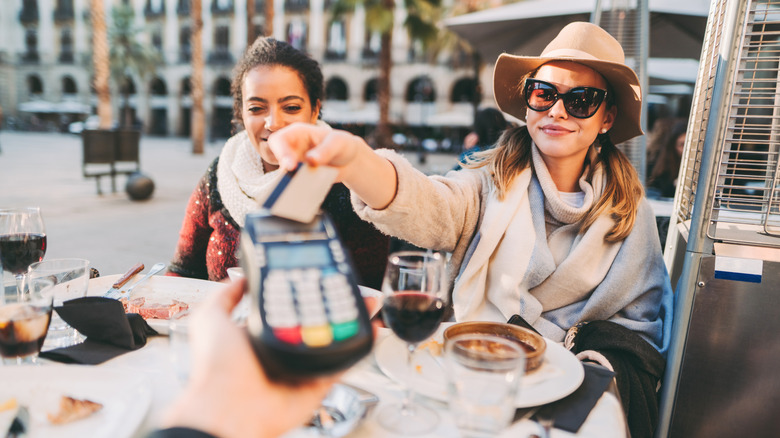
(153, 379)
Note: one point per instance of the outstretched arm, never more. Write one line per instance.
(370, 176)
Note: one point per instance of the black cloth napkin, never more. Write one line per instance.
(109, 330)
(639, 367)
(571, 411)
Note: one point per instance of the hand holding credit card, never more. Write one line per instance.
(300, 193)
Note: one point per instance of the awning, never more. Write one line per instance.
(341, 112)
(676, 26)
(45, 107)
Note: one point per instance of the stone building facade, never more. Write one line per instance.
(45, 57)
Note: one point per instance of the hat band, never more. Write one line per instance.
(574, 53)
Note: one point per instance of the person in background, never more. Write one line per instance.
(551, 224)
(273, 86)
(489, 123)
(1, 126)
(228, 394)
(667, 148)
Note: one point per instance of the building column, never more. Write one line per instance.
(317, 37)
(356, 36)
(280, 28)
(239, 29)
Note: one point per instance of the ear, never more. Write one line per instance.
(609, 119)
(315, 111)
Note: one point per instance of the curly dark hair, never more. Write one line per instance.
(270, 52)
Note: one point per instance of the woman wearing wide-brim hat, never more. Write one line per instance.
(552, 223)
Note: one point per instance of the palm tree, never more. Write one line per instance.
(198, 124)
(421, 19)
(127, 56)
(269, 17)
(269, 20)
(250, 25)
(100, 61)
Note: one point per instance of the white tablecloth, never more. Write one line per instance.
(605, 421)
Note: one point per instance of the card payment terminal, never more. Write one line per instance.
(307, 316)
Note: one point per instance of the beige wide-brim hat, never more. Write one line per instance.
(586, 44)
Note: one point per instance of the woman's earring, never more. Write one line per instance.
(603, 130)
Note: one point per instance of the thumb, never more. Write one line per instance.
(290, 144)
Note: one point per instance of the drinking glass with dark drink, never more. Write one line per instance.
(24, 321)
(414, 305)
(22, 241)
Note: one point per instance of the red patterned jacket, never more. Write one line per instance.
(209, 236)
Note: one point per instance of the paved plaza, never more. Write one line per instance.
(110, 230)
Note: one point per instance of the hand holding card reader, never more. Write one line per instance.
(307, 316)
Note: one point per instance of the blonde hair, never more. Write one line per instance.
(622, 192)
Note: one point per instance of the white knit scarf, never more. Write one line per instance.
(506, 273)
(242, 182)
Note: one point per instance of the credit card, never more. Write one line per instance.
(300, 193)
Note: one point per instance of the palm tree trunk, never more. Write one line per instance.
(269, 18)
(198, 125)
(101, 63)
(383, 134)
(250, 25)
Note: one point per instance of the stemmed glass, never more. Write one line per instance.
(22, 241)
(414, 304)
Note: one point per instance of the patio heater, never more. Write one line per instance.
(628, 21)
(723, 246)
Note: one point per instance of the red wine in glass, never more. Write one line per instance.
(413, 316)
(22, 241)
(18, 251)
(413, 308)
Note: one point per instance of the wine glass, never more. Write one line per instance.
(414, 306)
(22, 241)
(70, 280)
(24, 322)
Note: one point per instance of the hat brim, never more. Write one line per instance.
(507, 89)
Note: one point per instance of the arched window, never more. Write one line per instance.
(421, 90)
(371, 92)
(186, 87)
(297, 34)
(336, 89)
(158, 88)
(222, 87)
(69, 85)
(34, 84)
(185, 49)
(464, 90)
(128, 86)
(66, 46)
(337, 40)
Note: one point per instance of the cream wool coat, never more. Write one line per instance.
(445, 214)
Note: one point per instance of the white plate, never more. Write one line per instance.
(560, 374)
(125, 396)
(160, 289)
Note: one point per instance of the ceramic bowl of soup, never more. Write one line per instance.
(532, 344)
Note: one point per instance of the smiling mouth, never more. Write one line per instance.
(555, 130)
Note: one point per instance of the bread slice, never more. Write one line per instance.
(73, 409)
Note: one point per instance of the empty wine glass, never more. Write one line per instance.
(70, 277)
(22, 241)
(414, 305)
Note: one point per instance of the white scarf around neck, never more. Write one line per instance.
(242, 182)
(494, 283)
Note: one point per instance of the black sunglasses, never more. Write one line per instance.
(579, 102)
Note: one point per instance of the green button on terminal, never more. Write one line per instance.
(345, 330)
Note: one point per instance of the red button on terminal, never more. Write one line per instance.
(290, 335)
